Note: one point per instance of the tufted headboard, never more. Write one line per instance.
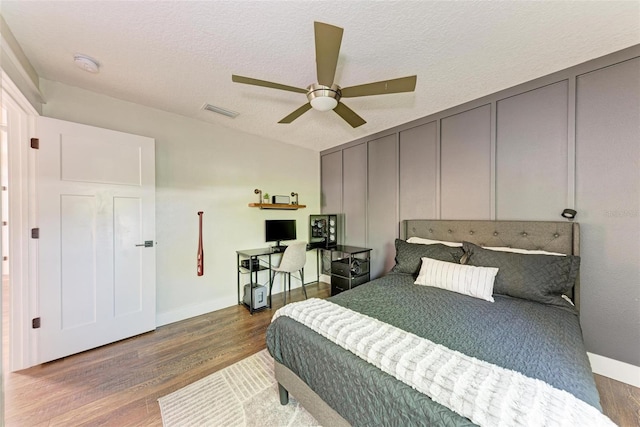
(551, 236)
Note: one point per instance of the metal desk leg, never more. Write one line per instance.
(238, 271)
(270, 283)
(252, 280)
(318, 263)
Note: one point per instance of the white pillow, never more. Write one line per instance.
(522, 251)
(463, 279)
(422, 241)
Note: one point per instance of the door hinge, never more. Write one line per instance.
(35, 233)
(35, 323)
(35, 143)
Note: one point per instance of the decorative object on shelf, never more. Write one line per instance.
(279, 202)
(283, 200)
(295, 201)
(200, 249)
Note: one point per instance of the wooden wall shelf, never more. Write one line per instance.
(276, 206)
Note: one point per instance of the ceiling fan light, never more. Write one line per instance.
(324, 103)
(323, 98)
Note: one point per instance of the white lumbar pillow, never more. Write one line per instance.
(463, 279)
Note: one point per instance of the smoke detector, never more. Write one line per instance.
(86, 63)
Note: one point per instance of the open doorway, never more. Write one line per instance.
(17, 164)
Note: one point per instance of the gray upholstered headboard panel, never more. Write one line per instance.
(551, 236)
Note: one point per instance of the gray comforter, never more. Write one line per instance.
(542, 342)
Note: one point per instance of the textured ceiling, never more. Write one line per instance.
(177, 55)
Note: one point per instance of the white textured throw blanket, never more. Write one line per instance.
(485, 393)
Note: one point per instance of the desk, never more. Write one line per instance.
(260, 260)
(257, 259)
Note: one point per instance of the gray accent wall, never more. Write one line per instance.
(331, 183)
(382, 220)
(567, 140)
(531, 154)
(419, 177)
(465, 161)
(355, 195)
(608, 202)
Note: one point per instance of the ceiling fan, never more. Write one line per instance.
(326, 95)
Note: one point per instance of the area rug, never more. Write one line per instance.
(243, 394)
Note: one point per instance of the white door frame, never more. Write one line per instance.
(22, 249)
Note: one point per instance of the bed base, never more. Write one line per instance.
(289, 382)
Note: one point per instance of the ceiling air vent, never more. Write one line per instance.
(220, 110)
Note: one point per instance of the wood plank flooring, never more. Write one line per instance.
(119, 384)
(620, 401)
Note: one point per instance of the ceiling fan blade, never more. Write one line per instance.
(349, 115)
(328, 40)
(403, 84)
(300, 111)
(264, 83)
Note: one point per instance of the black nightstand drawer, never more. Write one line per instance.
(341, 284)
(346, 268)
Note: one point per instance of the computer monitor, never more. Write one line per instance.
(277, 230)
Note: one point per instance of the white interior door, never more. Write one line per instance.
(96, 208)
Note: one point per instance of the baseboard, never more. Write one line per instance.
(614, 369)
(189, 312)
(207, 307)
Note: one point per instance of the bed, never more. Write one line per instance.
(525, 332)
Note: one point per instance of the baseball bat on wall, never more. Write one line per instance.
(200, 249)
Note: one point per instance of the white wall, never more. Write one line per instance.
(202, 167)
(17, 67)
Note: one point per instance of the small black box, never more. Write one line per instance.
(245, 263)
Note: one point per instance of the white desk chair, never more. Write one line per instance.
(293, 260)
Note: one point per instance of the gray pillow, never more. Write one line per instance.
(409, 255)
(541, 278)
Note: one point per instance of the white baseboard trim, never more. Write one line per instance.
(614, 369)
(189, 312)
(184, 313)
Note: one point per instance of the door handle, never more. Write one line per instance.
(146, 244)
